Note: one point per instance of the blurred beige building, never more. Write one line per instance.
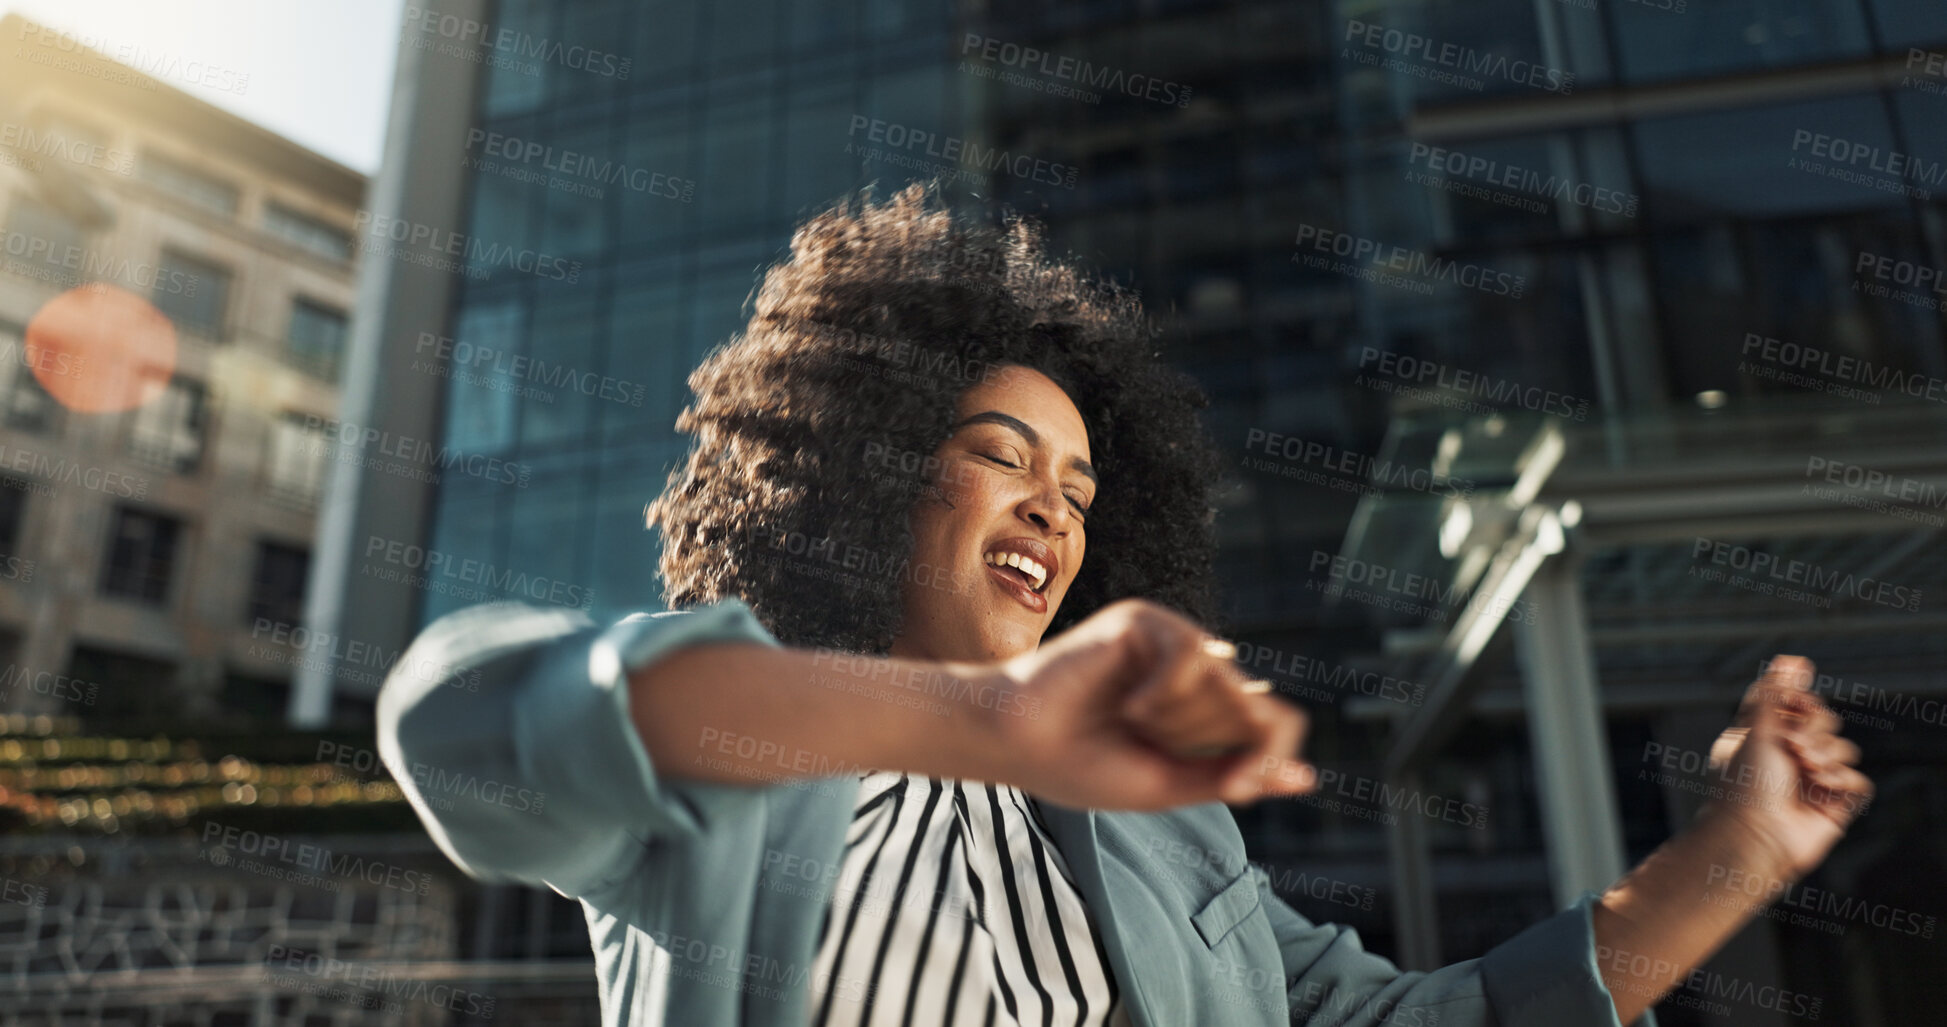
(155, 559)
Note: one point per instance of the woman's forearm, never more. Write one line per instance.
(758, 714)
(1676, 908)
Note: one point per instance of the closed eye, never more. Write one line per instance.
(1080, 508)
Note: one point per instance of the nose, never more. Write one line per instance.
(1047, 509)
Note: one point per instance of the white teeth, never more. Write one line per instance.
(1036, 573)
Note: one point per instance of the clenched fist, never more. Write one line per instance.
(1793, 781)
(1141, 709)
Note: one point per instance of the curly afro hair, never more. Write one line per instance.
(814, 427)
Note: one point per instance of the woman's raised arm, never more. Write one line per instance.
(542, 747)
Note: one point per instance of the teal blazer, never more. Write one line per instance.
(508, 727)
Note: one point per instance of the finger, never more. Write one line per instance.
(1212, 719)
(1779, 700)
(1213, 744)
(1273, 765)
(1181, 782)
(1725, 748)
(1784, 673)
(1187, 732)
(1825, 721)
(1208, 703)
(1804, 715)
(1223, 730)
(1188, 657)
(1216, 723)
(1841, 795)
(1829, 750)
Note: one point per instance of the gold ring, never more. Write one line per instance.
(1256, 686)
(1217, 648)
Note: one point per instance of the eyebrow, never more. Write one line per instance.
(1027, 432)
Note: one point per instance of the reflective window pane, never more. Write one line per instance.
(1665, 39)
(480, 389)
(316, 337)
(738, 142)
(1791, 159)
(308, 233)
(167, 430)
(189, 185)
(141, 555)
(195, 293)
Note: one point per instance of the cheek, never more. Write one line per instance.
(931, 520)
(972, 494)
(953, 505)
(960, 483)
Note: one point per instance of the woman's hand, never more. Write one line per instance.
(1124, 707)
(1789, 793)
(1791, 786)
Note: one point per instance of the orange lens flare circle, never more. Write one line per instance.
(100, 349)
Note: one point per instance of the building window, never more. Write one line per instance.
(48, 242)
(130, 689)
(317, 337)
(24, 404)
(294, 467)
(277, 587)
(308, 233)
(192, 186)
(192, 292)
(167, 431)
(141, 556)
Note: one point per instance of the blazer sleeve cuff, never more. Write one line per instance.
(1547, 974)
(575, 730)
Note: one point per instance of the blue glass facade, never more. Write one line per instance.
(1596, 203)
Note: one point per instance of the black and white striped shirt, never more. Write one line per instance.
(954, 907)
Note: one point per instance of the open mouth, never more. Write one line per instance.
(1032, 574)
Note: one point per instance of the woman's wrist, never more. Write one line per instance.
(942, 714)
(1677, 907)
(1742, 847)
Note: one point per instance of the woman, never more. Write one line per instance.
(943, 540)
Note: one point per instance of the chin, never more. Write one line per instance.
(1019, 637)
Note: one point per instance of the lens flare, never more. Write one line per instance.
(100, 349)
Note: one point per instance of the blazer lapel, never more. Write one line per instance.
(1074, 834)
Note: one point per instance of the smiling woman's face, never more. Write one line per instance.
(997, 546)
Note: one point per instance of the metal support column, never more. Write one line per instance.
(418, 184)
(1572, 769)
(1537, 536)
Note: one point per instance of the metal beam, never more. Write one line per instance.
(1565, 727)
(1915, 624)
(1458, 122)
(432, 104)
(1538, 534)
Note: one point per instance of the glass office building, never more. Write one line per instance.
(1615, 283)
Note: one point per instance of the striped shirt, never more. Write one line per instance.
(954, 907)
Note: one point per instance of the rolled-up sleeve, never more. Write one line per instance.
(508, 728)
(1543, 977)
